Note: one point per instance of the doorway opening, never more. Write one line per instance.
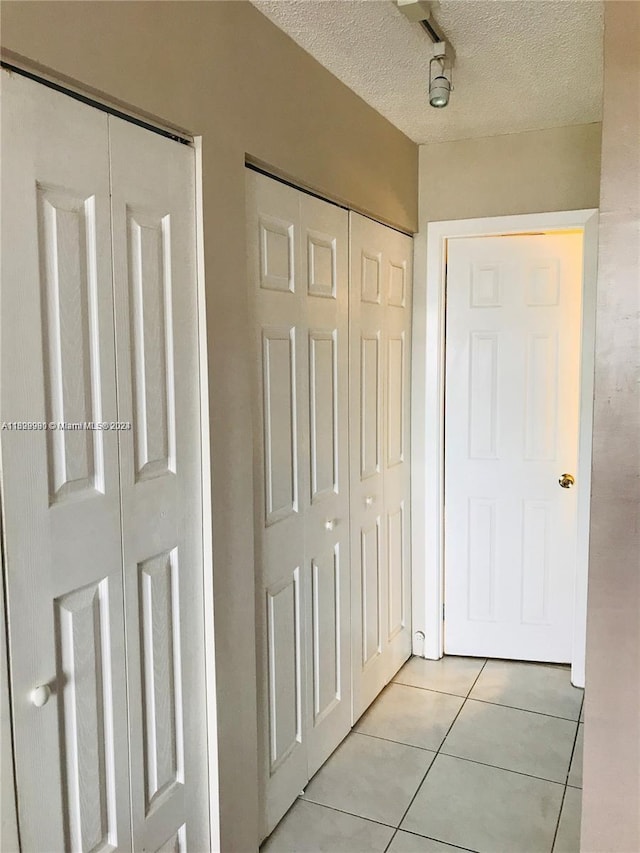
(428, 417)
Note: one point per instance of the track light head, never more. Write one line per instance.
(439, 91)
(439, 83)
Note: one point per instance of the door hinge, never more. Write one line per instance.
(443, 611)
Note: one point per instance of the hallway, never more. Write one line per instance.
(461, 753)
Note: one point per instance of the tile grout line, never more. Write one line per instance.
(555, 834)
(566, 784)
(433, 761)
(573, 752)
(489, 702)
(342, 811)
(437, 840)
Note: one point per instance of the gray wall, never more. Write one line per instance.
(611, 796)
(221, 69)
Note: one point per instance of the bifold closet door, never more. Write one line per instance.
(102, 526)
(298, 274)
(380, 343)
(61, 502)
(154, 251)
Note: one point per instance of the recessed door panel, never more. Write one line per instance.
(321, 264)
(395, 400)
(161, 674)
(87, 713)
(371, 277)
(371, 580)
(324, 412)
(150, 301)
(396, 559)
(483, 395)
(370, 406)
(325, 601)
(67, 254)
(276, 254)
(537, 540)
(279, 423)
(285, 689)
(541, 400)
(481, 570)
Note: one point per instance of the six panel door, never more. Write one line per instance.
(511, 431)
(380, 342)
(298, 278)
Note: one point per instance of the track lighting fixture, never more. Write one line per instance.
(439, 83)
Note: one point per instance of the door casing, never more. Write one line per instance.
(427, 420)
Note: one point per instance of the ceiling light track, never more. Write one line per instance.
(432, 32)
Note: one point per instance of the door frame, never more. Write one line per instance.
(427, 419)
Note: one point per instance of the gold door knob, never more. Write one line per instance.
(566, 481)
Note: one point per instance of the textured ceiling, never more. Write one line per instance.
(519, 64)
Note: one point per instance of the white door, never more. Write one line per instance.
(298, 293)
(380, 344)
(102, 527)
(61, 501)
(511, 432)
(154, 252)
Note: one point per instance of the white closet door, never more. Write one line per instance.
(297, 252)
(325, 279)
(60, 489)
(380, 323)
(280, 489)
(153, 214)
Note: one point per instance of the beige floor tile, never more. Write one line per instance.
(568, 837)
(450, 674)
(310, 828)
(512, 739)
(484, 808)
(575, 773)
(411, 715)
(371, 778)
(530, 686)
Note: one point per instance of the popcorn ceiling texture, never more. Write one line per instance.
(520, 64)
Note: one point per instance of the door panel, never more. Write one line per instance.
(299, 304)
(153, 215)
(511, 430)
(276, 295)
(380, 321)
(61, 505)
(325, 271)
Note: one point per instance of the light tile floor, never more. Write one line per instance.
(456, 754)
